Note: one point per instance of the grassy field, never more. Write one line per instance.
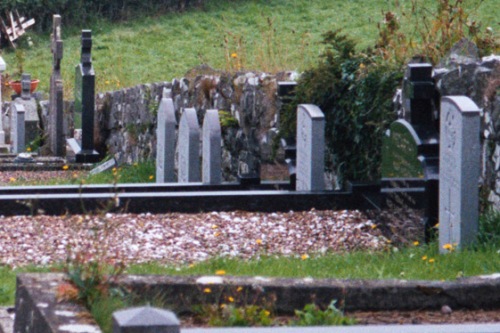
(267, 35)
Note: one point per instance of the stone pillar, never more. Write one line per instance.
(310, 148)
(18, 128)
(165, 141)
(189, 147)
(459, 172)
(85, 100)
(56, 130)
(212, 150)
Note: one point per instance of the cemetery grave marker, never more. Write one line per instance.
(56, 131)
(459, 172)
(310, 148)
(145, 320)
(32, 121)
(189, 147)
(3, 147)
(410, 152)
(18, 128)
(212, 150)
(104, 166)
(84, 100)
(165, 145)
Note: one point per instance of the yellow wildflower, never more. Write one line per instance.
(239, 289)
(431, 260)
(424, 258)
(65, 167)
(373, 226)
(220, 272)
(230, 299)
(151, 177)
(448, 247)
(266, 313)
(304, 256)
(258, 241)
(207, 290)
(234, 55)
(416, 243)
(28, 149)
(12, 179)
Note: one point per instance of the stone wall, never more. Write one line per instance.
(126, 119)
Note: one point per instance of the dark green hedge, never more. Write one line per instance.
(82, 11)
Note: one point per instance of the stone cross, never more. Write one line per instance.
(85, 100)
(459, 172)
(145, 320)
(18, 128)
(212, 151)
(56, 131)
(189, 147)
(165, 141)
(310, 148)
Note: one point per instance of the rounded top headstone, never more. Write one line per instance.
(144, 317)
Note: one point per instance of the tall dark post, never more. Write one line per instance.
(84, 100)
(57, 143)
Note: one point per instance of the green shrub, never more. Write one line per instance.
(312, 315)
(489, 228)
(354, 90)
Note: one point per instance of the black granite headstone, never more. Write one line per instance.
(410, 153)
(85, 100)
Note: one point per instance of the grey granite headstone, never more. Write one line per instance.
(459, 172)
(56, 131)
(85, 100)
(18, 128)
(212, 151)
(165, 144)
(145, 320)
(189, 147)
(310, 148)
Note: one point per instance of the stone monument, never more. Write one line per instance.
(165, 144)
(85, 100)
(189, 147)
(212, 149)
(310, 148)
(56, 130)
(459, 172)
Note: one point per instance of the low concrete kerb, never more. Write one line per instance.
(37, 304)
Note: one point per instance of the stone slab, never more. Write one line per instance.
(166, 140)
(104, 166)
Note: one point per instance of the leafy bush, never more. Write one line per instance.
(489, 228)
(312, 315)
(354, 90)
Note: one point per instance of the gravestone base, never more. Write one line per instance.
(87, 156)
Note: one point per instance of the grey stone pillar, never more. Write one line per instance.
(459, 172)
(56, 131)
(18, 128)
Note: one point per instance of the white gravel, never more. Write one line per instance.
(182, 238)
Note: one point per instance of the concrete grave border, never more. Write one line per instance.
(37, 304)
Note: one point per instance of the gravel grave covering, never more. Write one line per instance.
(177, 238)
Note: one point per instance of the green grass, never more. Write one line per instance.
(406, 263)
(276, 35)
(402, 264)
